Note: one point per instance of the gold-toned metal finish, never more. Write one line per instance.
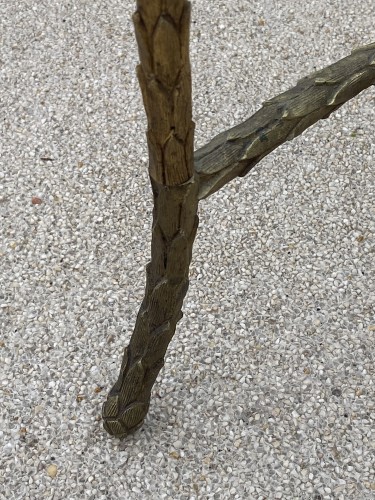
(180, 179)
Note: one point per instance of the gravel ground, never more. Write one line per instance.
(268, 387)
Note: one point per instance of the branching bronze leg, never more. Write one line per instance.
(162, 31)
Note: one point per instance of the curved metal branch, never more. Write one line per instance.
(236, 151)
(162, 30)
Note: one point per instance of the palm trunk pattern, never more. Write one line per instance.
(180, 178)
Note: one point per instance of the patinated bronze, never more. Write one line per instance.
(180, 178)
(162, 30)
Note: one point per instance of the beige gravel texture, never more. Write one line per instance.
(268, 387)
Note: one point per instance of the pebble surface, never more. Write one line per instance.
(268, 387)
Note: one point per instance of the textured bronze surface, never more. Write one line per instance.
(164, 75)
(174, 228)
(162, 32)
(180, 179)
(236, 151)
